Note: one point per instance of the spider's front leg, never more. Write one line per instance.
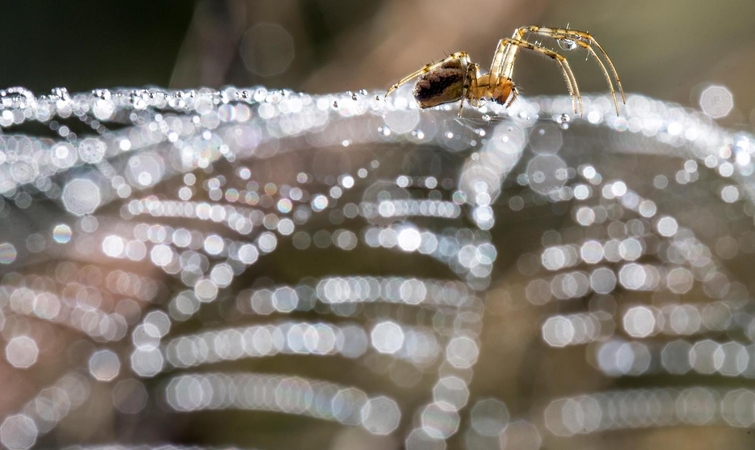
(502, 69)
(584, 40)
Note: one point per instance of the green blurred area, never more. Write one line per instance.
(667, 49)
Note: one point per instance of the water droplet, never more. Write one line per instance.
(335, 104)
(62, 233)
(61, 93)
(103, 94)
(486, 117)
(564, 120)
(354, 97)
(363, 91)
(567, 44)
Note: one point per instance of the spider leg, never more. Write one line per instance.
(501, 53)
(514, 94)
(579, 38)
(470, 84)
(584, 40)
(506, 68)
(505, 55)
(428, 67)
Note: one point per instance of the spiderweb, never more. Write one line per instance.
(269, 269)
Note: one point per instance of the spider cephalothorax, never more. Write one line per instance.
(457, 78)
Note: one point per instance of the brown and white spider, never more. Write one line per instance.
(457, 78)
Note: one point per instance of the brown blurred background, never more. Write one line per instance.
(667, 49)
(670, 50)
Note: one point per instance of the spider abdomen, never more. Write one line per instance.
(444, 84)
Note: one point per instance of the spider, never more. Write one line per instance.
(457, 78)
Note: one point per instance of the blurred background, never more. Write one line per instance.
(700, 54)
(670, 49)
